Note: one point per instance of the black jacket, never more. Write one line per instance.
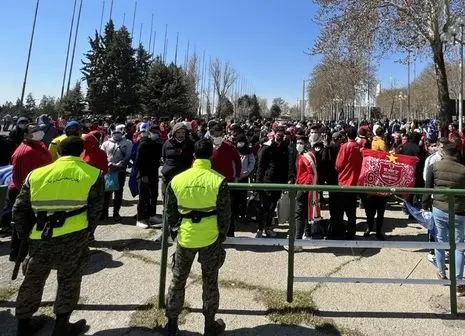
(16, 136)
(273, 163)
(177, 157)
(326, 162)
(148, 157)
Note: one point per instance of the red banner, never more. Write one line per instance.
(380, 169)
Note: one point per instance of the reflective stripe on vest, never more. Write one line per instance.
(196, 189)
(62, 186)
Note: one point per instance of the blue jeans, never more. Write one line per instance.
(441, 221)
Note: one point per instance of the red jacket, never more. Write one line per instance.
(349, 163)
(305, 173)
(28, 156)
(92, 154)
(226, 161)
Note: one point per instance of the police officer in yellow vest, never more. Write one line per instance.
(62, 201)
(197, 204)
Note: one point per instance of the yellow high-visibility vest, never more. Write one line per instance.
(62, 186)
(196, 189)
(53, 147)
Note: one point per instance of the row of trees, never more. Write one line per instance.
(72, 104)
(393, 102)
(378, 28)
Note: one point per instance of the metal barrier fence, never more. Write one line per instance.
(291, 243)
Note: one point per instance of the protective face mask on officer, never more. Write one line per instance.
(38, 136)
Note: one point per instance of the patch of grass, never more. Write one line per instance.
(150, 316)
(7, 292)
(302, 311)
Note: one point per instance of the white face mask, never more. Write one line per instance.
(240, 144)
(300, 148)
(314, 138)
(217, 141)
(38, 136)
(117, 136)
(22, 126)
(144, 134)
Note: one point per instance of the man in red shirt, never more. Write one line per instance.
(30, 154)
(226, 161)
(348, 167)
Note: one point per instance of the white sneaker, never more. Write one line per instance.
(142, 224)
(270, 233)
(259, 234)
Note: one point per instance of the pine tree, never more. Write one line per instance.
(142, 70)
(72, 104)
(167, 91)
(30, 108)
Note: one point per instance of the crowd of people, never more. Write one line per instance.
(259, 151)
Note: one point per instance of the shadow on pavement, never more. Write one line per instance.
(389, 315)
(135, 244)
(264, 330)
(8, 324)
(100, 260)
(5, 247)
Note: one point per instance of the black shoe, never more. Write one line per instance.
(367, 233)
(380, 236)
(171, 327)
(215, 328)
(65, 328)
(117, 217)
(30, 326)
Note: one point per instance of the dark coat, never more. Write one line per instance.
(148, 157)
(273, 163)
(448, 174)
(177, 157)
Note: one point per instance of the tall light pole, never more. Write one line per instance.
(74, 47)
(302, 113)
(408, 89)
(455, 34)
(69, 47)
(29, 52)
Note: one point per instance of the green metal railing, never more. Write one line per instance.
(292, 189)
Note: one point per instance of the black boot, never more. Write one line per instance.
(172, 327)
(64, 328)
(214, 328)
(29, 326)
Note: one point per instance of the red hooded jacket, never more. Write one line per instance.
(349, 163)
(28, 156)
(226, 161)
(92, 154)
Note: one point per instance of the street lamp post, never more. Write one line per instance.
(401, 98)
(455, 34)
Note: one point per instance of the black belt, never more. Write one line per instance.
(197, 216)
(55, 220)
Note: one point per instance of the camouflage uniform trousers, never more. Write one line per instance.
(67, 254)
(211, 259)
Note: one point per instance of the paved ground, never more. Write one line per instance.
(121, 283)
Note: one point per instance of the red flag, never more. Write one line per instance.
(380, 169)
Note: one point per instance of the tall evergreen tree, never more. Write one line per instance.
(72, 104)
(30, 108)
(167, 91)
(142, 70)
